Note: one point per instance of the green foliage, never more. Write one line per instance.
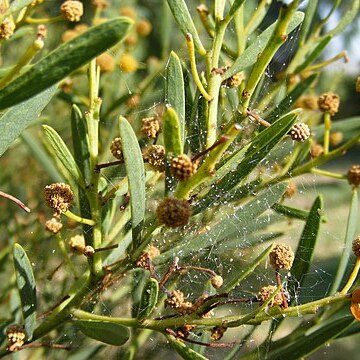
(244, 130)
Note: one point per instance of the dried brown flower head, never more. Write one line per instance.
(300, 132)
(59, 197)
(72, 10)
(173, 212)
(53, 225)
(353, 175)
(235, 80)
(281, 257)
(316, 150)
(266, 292)
(329, 102)
(128, 64)
(356, 246)
(176, 300)
(149, 254)
(15, 337)
(150, 126)
(7, 28)
(154, 155)
(77, 244)
(291, 190)
(217, 281)
(133, 101)
(143, 28)
(307, 102)
(106, 62)
(116, 149)
(336, 138)
(182, 167)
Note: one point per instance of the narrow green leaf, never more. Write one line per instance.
(320, 47)
(312, 340)
(185, 352)
(64, 60)
(64, 155)
(306, 246)
(80, 142)
(290, 211)
(149, 298)
(250, 55)
(287, 103)
(346, 17)
(185, 22)
(172, 133)
(233, 223)
(235, 6)
(106, 332)
(26, 285)
(175, 91)
(351, 231)
(16, 119)
(41, 156)
(136, 176)
(236, 279)
(309, 15)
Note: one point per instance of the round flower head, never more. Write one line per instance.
(100, 4)
(353, 175)
(281, 257)
(59, 197)
(155, 157)
(106, 62)
(266, 292)
(147, 255)
(7, 28)
(173, 212)
(217, 281)
(300, 132)
(336, 138)
(356, 246)
(150, 126)
(143, 28)
(291, 190)
(15, 337)
(329, 102)
(128, 64)
(176, 300)
(182, 168)
(53, 226)
(235, 80)
(307, 102)
(89, 251)
(116, 149)
(128, 11)
(316, 150)
(72, 10)
(77, 243)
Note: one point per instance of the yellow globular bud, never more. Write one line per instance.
(53, 225)
(131, 39)
(106, 62)
(266, 292)
(281, 257)
(128, 63)
(72, 10)
(300, 132)
(329, 102)
(356, 246)
(307, 102)
(173, 212)
(77, 244)
(59, 197)
(217, 281)
(128, 11)
(7, 28)
(154, 155)
(143, 28)
(15, 337)
(182, 167)
(316, 150)
(336, 138)
(353, 175)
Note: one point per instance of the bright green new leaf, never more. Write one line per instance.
(149, 298)
(172, 132)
